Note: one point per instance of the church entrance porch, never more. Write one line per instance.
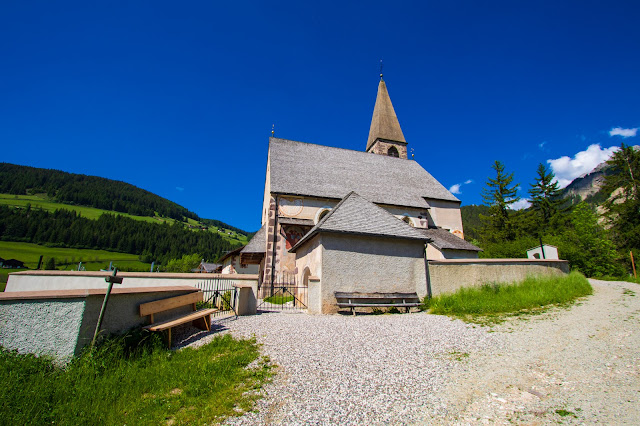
(283, 293)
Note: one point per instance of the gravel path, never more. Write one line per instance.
(576, 365)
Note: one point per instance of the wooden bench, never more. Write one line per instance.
(200, 318)
(376, 300)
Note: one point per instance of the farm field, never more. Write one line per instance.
(67, 258)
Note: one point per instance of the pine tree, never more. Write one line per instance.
(546, 199)
(499, 194)
(623, 205)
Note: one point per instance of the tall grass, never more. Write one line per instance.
(502, 298)
(125, 383)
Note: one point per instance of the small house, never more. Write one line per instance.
(545, 251)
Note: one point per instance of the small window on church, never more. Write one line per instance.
(321, 214)
(393, 152)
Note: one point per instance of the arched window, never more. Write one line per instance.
(393, 152)
(320, 214)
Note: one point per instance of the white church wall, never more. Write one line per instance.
(370, 264)
(446, 214)
(309, 256)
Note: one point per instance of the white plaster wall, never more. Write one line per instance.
(446, 214)
(46, 327)
(69, 280)
(369, 264)
(447, 276)
(309, 255)
(433, 253)
(549, 253)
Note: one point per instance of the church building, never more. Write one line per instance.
(357, 217)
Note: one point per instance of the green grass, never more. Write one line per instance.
(133, 383)
(278, 299)
(68, 258)
(42, 201)
(628, 278)
(510, 298)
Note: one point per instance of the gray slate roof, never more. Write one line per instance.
(299, 168)
(356, 215)
(257, 244)
(443, 239)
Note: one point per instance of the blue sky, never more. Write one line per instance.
(179, 97)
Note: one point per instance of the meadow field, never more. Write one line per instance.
(67, 258)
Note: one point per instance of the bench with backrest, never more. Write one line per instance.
(199, 318)
(376, 300)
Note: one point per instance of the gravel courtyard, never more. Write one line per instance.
(578, 365)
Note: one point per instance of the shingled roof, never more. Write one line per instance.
(443, 240)
(356, 215)
(257, 244)
(299, 168)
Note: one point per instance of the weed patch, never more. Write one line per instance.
(278, 299)
(491, 302)
(133, 381)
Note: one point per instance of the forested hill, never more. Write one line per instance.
(89, 191)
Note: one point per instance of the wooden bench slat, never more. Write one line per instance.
(182, 320)
(344, 295)
(170, 303)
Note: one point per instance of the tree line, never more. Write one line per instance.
(595, 240)
(90, 191)
(151, 241)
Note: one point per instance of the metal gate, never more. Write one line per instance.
(284, 293)
(219, 293)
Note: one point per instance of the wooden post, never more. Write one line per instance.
(633, 265)
(111, 280)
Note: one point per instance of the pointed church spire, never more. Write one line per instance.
(385, 129)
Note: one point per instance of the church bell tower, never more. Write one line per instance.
(385, 134)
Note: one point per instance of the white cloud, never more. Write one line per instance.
(567, 169)
(455, 189)
(625, 133)
(179, 188)
(542, 144)
(522, 203)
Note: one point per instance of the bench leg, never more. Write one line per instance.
(169, 338)
(353, 311)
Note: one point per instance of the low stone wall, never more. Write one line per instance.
(61, 323)
(76, 280)
(447, 276)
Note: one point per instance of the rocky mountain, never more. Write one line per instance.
(587, 187)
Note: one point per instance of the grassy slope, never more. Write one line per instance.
(508, 298)
(150, 386)
(41, 201)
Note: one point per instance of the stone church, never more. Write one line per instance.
(355, 217)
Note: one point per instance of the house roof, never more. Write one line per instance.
(231, 253)
(299, 168)
(384, 122)
(356, 215)
(445, 240)
(208, 267)
(537, 247)
(258, 242)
